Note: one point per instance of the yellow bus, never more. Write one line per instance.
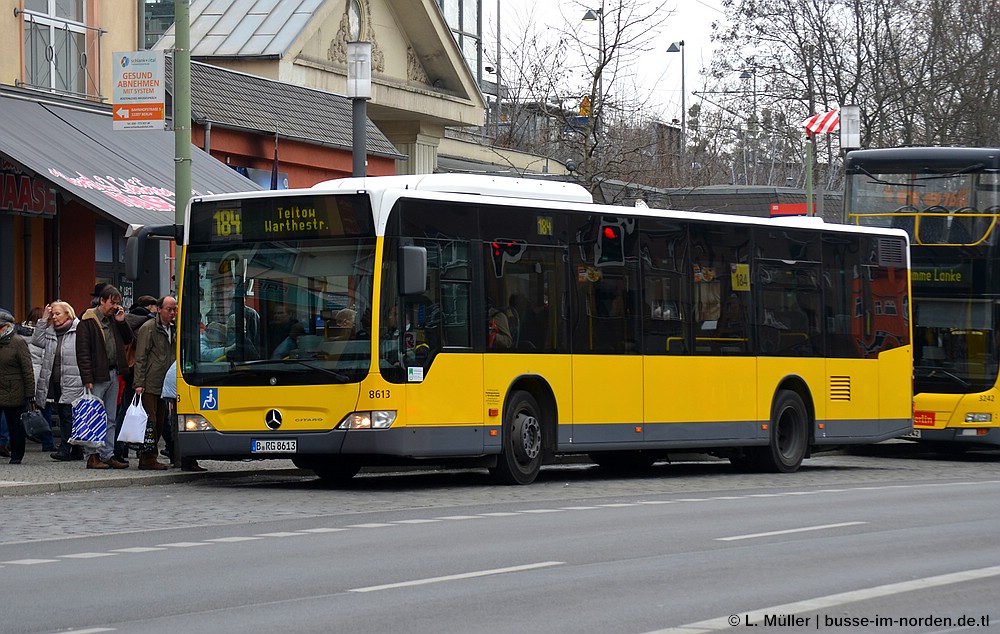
(502, 322)
(948, 200)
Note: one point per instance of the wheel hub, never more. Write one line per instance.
(527, 438)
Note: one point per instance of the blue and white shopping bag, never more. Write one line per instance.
(90, 422)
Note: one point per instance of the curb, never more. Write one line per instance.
(8, 489)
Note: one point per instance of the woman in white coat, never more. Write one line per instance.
(59, 375)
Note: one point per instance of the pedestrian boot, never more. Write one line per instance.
(114, 463)
(95, 462)
(148, 462)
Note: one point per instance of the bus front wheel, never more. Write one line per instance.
(521, 455)
(330, 470)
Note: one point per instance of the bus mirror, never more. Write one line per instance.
(135, 245)
(412, 270)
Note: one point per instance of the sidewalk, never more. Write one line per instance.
(38, 473)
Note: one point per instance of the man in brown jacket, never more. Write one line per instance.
(101, 338)
(154, 354)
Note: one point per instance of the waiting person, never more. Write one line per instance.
(141, 311)
(27, 330)
(154, 354)
(59, 372)
(101, 337)
(169, 396)
(16, 383)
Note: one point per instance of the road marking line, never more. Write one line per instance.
(281, 534)
(417, 521)
(464, 575)
(137, 549)
(787, 531)
(580, 508)
(500, 514)
(619, 505)
(543, 511)
(30, 562)
(820, 604)
(371, 525)
(184, 544)
(87, 555)
(459, 517)
(227, 540)
(323, 530)
(91, 630)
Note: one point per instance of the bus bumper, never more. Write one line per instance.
(450, 441)
(986, 437)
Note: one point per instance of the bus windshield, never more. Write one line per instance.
(954, 345)
(951, 208)
(289, 313)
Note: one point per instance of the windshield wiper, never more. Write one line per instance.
(879, 181)
(938, 373)
(235, 365)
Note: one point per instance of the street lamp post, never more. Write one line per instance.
(597, 15)
(675, 48)
(359, 89)
(597, 101)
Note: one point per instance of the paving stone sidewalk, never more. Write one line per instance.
(38, 473)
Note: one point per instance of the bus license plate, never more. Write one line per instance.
(273, 446)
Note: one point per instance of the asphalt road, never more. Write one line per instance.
(903, 535)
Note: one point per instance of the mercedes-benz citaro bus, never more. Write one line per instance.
(501, 322)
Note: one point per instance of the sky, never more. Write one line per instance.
(658, 71)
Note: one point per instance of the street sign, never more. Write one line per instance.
(139, 95)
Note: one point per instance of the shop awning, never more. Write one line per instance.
(126, 175)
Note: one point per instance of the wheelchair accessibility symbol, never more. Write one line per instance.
(208, 399)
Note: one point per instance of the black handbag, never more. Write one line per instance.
(34, 424)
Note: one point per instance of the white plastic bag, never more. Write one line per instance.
(134, 426)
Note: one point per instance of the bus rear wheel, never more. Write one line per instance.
(788, 442)
(521, 456)
(789, 434)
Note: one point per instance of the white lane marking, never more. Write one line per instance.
(579, 508)
(228, 540)
(30, 562)
(91, 630)
(417, 521)
(323, 530)
(137, 549)
(788, 531)
(87, 555)
(619, 505)
(543, 511)
(459, 517)
(464, 575)
(500, 514)
(280, 534)
(370, 525)
(819, 604)
(183, 544)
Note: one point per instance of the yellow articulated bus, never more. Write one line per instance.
(501, 322)
(948, 200)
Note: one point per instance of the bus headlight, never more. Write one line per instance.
(979, 418)
(193, 422)
(376, 419)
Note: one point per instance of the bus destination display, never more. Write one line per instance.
(280, 221)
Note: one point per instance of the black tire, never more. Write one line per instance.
(789, 440)
(521, 455)
(335, 470)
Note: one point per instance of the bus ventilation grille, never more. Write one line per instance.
(891, 252)
(840, 388)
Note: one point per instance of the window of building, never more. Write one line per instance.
(61, 52)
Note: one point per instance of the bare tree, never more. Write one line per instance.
(571, 92)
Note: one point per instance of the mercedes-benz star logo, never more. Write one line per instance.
(272, 419)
